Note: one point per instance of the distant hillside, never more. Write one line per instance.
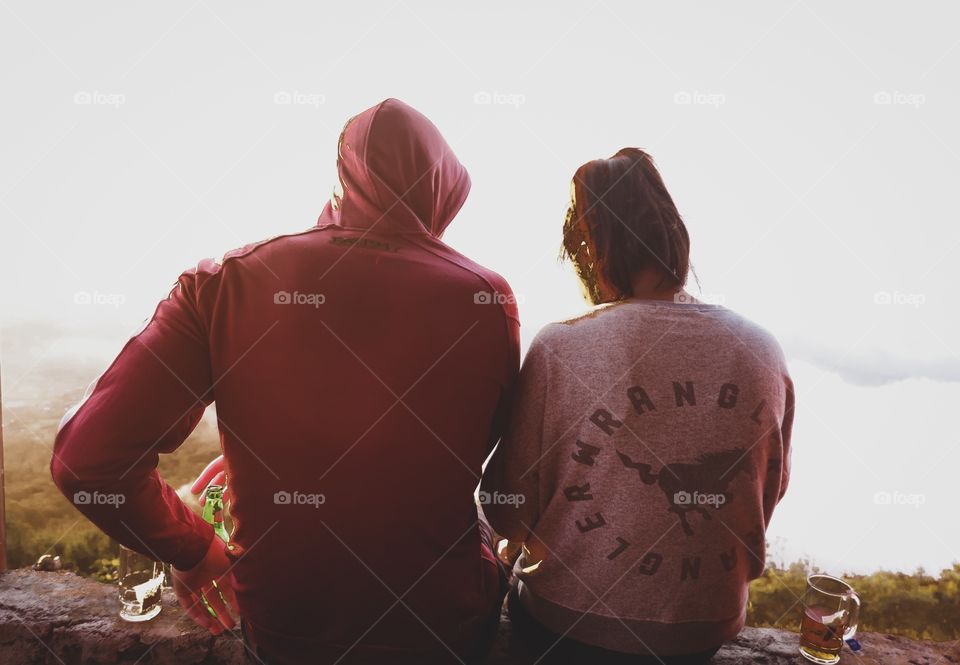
(41, 378)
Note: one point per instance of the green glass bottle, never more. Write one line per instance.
(213, 515)
(213, 511)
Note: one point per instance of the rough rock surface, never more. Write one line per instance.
(58, 618)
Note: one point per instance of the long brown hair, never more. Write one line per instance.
(622, 220)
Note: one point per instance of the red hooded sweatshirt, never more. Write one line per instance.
(360, 371)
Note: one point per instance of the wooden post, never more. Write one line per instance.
(3, 514)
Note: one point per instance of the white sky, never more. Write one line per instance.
(804, 196)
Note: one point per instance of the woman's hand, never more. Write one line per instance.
(212, 580)
(214, 474)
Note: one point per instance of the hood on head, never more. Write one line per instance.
(397, 173)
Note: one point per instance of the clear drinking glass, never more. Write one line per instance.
(831, 610)
(141, 586)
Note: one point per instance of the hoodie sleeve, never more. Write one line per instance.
(513, 471)
(147, 402)
(511, 366)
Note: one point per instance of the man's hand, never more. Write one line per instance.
(508, 552)
(212, 580)
(214, 474)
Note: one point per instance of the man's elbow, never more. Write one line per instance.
(70, 467)
(66, 480)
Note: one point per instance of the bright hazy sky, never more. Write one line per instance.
(811, 146)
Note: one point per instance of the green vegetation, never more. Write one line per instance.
(40, 520)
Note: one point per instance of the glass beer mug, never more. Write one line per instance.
(831, 610)
(140, 586)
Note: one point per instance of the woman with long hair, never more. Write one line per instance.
(648, 446)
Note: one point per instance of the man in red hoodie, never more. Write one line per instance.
(361, 371)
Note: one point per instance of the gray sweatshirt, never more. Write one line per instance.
(648, 446)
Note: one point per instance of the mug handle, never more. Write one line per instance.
(854, 616)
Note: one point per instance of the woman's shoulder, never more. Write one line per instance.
(571, 334)
(593, 314)
(716, 323)
(753, 342)
(747, 330)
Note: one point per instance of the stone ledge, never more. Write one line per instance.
(61, 618)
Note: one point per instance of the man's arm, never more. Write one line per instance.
(513, 471)
(147, 402)
(501, 415)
